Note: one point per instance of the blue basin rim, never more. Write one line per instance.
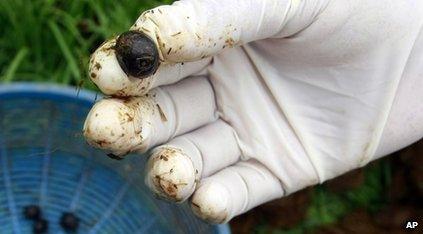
(68, 92)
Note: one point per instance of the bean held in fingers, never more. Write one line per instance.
(137, 54)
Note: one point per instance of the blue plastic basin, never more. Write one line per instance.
(45, 161)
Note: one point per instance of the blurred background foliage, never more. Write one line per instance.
(51, 40)
(379, 198)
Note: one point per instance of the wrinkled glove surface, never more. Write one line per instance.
(254, 100)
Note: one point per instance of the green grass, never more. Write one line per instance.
(51, 40)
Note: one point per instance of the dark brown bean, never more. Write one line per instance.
(69, 221)
(137, 54)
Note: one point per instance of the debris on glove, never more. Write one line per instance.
(171, 174)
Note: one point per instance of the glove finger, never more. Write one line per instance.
(174, 168)
(121, 126)
(188, 31)
(106, 73)
(234, 190)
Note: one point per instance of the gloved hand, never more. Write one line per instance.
(254, 100)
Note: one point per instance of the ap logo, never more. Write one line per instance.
(411, 225)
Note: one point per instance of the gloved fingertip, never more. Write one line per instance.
(212, 203)
(115, 126)
(171, 174)
(106, 72)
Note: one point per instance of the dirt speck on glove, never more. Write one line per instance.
(171, 174)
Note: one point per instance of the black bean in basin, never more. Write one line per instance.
(32, 212)
(40, 226)
(69, 221)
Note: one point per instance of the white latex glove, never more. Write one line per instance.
(290, 93)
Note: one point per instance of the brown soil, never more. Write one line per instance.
(404, 196)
